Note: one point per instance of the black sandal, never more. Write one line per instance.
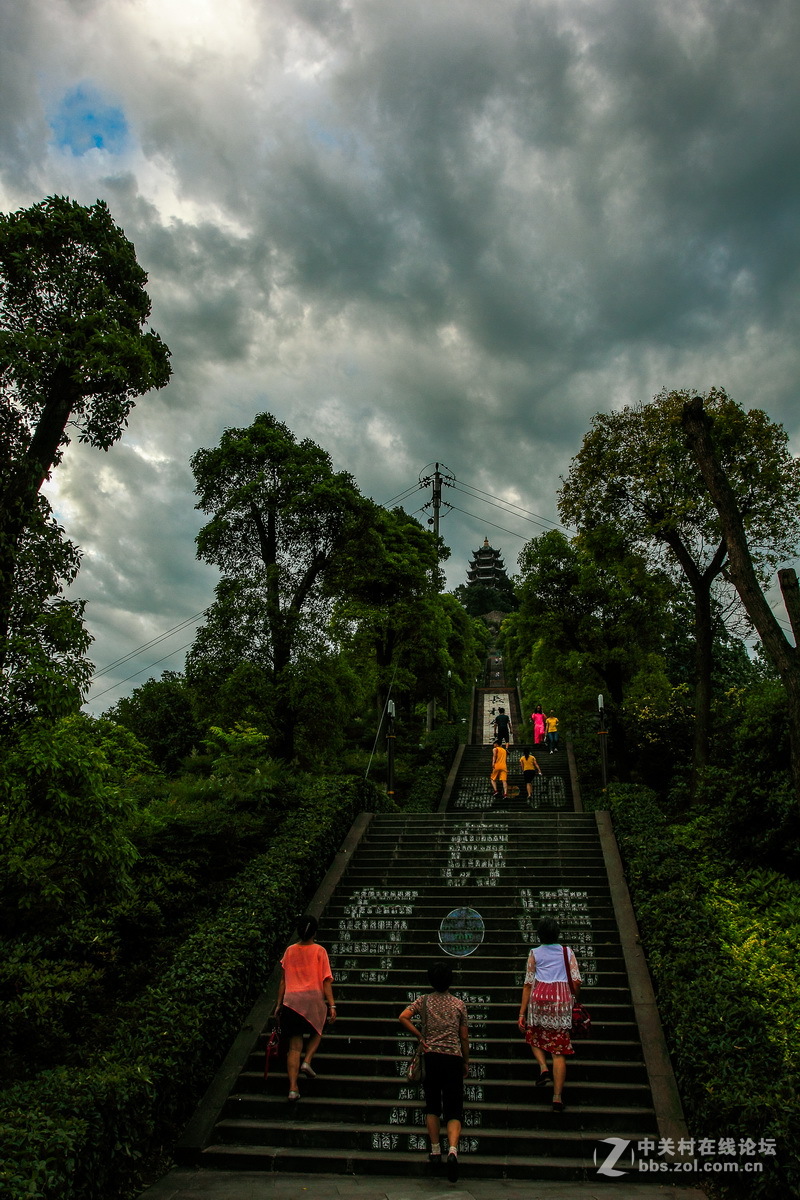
(544, 1077)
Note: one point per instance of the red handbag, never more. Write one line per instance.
(581, 1020)
(273, 1047)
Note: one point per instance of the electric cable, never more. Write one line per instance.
(118, 662)
(380, 722)
(402, 495)
(137, 673)
(502, 528)
(526, 513)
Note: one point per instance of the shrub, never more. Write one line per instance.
(77, 1134)
(430, 775)
(721, 945)
(63, 840)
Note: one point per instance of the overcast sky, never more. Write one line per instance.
(444, 230)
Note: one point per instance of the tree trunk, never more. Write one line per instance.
(21, 487)
(702, 693)
(619, 743)
(740, 566)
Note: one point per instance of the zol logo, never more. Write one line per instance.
(618, 1148)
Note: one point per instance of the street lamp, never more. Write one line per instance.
(602, 734)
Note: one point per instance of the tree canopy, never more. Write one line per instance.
(593, 621)
(73, 355)
(635, 472)
(284, 525)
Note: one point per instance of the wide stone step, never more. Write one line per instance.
(537, 1137)
(536, 1113)
(402, 1163)
(353, 1006)
(613, 1077)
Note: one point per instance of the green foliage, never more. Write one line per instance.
(479, 599)
(76, 1134)
(388, 614)
(284, 528)
(47, 1004)
(328, 697)
(636, 475)
(74, 355)
(63, 843)
(591, 619)
(44, 669)
(160, 714)
(73, 304)
(431, 771)
(747, 790)
(721, 945)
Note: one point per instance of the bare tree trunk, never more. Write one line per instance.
(740, 566)
(702, 658)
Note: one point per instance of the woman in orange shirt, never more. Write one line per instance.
(305, 1000)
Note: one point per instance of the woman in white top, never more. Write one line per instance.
(545, 1013)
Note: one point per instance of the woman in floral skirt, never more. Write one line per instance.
(545, 1013)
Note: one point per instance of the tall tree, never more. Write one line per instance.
(590, 618)
(160, 713)
(636, 472)
(388, 605)
(73, 355)
(283, 524)
(700, 427)
(45, 669)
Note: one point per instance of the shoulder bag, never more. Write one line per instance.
(415, 1071)
(581, 1020)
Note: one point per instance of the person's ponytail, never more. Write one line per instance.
(307, 926)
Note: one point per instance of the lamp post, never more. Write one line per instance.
(602, 733)
(390, 739)
(449, 698)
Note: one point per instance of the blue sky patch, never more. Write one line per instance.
(86, 121)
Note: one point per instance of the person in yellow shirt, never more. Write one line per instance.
(499, 774)
(551, 725)
(530, 768)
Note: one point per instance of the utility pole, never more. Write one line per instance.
(439, 475)
(436, 501)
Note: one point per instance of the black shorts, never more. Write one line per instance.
(444, 1086)
(528, 776)
(293, 1025)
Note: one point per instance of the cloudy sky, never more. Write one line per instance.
(432, 230)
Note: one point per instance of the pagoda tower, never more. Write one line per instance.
(487, 567)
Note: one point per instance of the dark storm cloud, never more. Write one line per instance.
(419, 232)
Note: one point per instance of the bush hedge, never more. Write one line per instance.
(431, 774)
(78, 1133)
(722, 947)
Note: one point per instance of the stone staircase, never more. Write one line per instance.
(382, 928)
(552, 790)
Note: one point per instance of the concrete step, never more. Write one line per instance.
(515, 1076)
(264, 1114)
(538, 1137)
(383, 1160)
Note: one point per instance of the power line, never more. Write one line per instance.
(526, 513)
(118, 662)
(502, 528)
(503, 508)
(137, 673)
(402, 495)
